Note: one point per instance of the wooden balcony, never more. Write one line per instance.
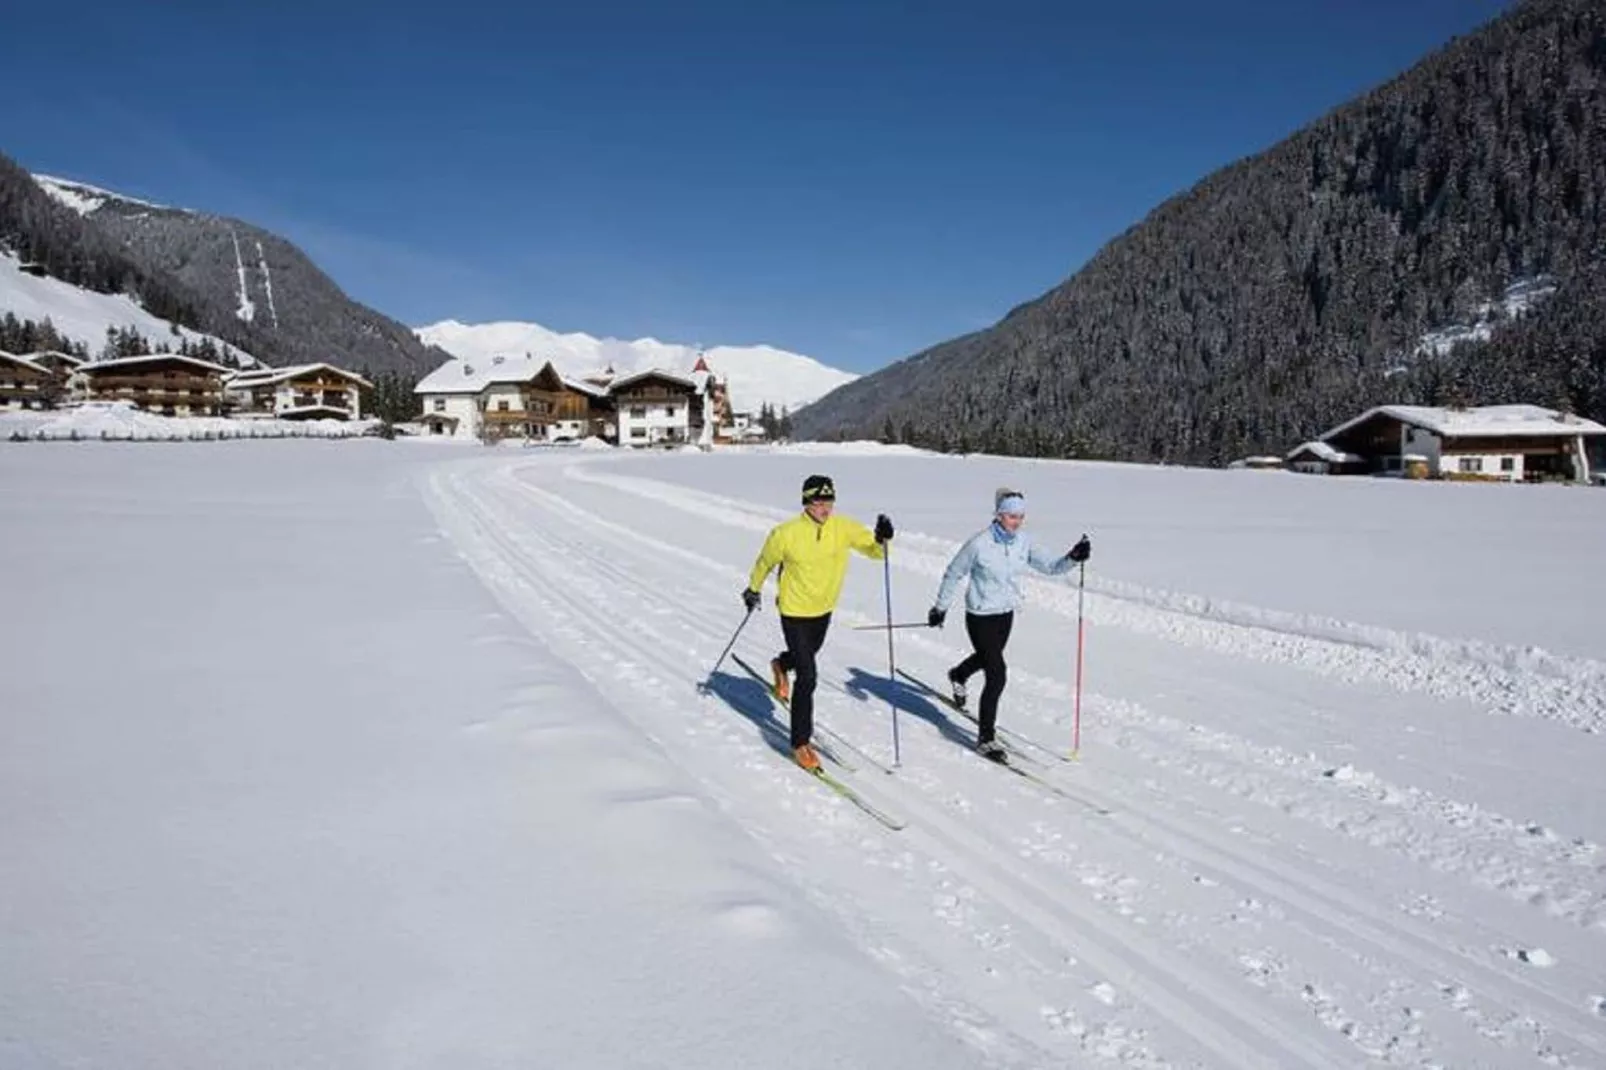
(503, 417)
(328, 401)
(650, 394)
(158, 396)
(207, 383)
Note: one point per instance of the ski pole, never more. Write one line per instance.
(879, 627)
(1076, 724)
(737, 634)
(892, 665)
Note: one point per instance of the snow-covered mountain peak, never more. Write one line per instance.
(84, 198)
(757, 374)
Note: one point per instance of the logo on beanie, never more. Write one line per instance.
(818, 489)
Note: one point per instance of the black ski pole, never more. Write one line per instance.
(723, 654)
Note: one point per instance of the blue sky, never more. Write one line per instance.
(843, 179)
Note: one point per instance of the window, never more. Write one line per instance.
(1508, 464)
(638, 432)
(639, 412)
(669, 411)
(1471, 464)
(440, 404)
(501, 404)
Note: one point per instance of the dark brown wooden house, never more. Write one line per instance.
(27, 384)
(546, 406)
(163, 383)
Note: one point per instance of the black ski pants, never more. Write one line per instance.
(988, 636)
(804, 638)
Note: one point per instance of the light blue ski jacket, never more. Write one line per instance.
(993, 561)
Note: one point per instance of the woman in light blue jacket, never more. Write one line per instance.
(993, 560)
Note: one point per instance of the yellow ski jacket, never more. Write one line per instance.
(814, 561)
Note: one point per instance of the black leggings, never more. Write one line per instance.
(804, 638)
(988, 635)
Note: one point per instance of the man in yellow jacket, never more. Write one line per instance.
(812, 552)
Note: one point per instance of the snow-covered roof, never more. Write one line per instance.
(471, 376)
(1489, 421)
(264, 376)
(68, 357)
(652, 373)
(1325, 452)
(589, 389)
(24, 361)
(151, 358)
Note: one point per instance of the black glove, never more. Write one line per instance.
(1081, 551)
(935, 618)
(883, 528)
(751, 600)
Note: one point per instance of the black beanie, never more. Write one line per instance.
(818, 488)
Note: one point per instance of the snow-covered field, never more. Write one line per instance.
(406, 765)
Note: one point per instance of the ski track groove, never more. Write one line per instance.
(1159, 977)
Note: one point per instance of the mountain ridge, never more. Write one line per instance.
(208, 273)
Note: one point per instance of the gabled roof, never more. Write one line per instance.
(264, 376)
(68, 357)
(651, 373)
(12, 358)
(1324, 451)
(1489, 421)
(124, 363)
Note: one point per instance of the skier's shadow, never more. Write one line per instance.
(753, 701)
(868, 686)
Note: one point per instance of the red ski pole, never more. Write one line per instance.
(1076, 724)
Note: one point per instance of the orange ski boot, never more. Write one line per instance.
(783, 686)
(807, 758)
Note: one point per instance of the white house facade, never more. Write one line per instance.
(655, 409)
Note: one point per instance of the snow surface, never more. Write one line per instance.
(1338, 800)
(756, 374)
(246, 311)
(83, 315)
(311, 799)
(84, 198)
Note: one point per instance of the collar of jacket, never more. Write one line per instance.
(1000, 535)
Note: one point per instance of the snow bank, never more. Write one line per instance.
(121, 421)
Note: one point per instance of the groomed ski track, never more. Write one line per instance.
(1243, 903)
